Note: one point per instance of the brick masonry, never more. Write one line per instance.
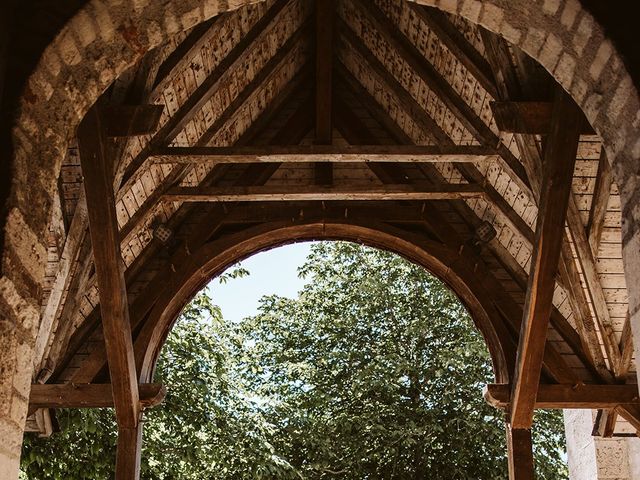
(108, 36)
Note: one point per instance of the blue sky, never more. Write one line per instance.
(271, 272)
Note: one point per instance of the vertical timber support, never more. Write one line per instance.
(97, 170)
(559, 161)
(325, 20)
(520, 454)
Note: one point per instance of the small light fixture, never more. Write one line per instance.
(485, 232)
(162, 233)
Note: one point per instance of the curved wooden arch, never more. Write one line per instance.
(213, 258)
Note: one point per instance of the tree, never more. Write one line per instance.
(374, 371)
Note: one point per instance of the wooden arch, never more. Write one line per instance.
(213, 258)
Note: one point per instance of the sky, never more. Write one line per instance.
(271, 272)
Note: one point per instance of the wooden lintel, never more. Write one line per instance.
(325, 153)
(89, 395)
(560, 157)
(569, 396)
(324, 193)
(131, 120)
(531, 118)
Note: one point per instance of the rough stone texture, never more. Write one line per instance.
(106, 37)
(594, 458)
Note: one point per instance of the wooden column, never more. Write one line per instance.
(97, 170)
(559, 161)
(520, 454)
(560, 155)
(324, 82)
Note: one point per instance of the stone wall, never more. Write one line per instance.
(595, 458)
(108, 36)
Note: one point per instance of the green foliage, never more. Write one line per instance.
(373, 372)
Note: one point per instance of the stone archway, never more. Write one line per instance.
(107, 36)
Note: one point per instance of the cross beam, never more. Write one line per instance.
(325, 153)
(323, 193)
(89, 395)
(568, 396)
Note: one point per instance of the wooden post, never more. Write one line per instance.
(324, 84)
(560, 156)
(520, 454)
(97, 170)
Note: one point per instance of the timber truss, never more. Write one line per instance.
(382, 122)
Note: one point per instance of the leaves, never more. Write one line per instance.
(374, 371)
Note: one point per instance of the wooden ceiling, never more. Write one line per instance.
(291, 107)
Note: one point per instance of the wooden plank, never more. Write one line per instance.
(577, 396)
(601, 194)
(458, 45)
(66, 263)
(531, 118)
(97, 170)
(592, 281)
(322, 193)
(131, 120)
(560, 155)
(520, 454)
(89, 395)
(325, 153)
(626, 349)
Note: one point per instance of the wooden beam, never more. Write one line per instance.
(568, 396)
(599, 204)
(560, 157)
(236, 57)
(530, 118)
(520, 452)
(89, 395)
(445, 92)
(510, 87)
(458, 45)
(404, 98)
(131, 120)
(179, 59)
(97, 170)
(323, 193)
(325, 19)
(325, 153)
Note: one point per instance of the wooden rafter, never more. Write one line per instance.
(441, 87)
(235, 59)
(325, 16)
(458, 45)
(560, 157)
(404, 98)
